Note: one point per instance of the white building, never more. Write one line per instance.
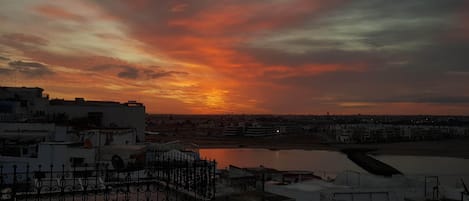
(96, 131)
(105, 114)
(27, 103)
(27, 131)
(103, 137)
(35, 143)
(18, 103)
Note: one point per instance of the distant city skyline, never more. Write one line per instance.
(251, 57)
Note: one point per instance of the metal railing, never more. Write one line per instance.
(351, 196)
(160, 180)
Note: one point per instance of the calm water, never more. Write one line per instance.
(315, 160)
(329, 161)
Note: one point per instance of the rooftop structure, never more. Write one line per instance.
(107, 114)
(22, 102)
(19, 104)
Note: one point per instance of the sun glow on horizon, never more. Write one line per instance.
(282, 57)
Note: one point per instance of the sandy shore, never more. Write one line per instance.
(447, 148)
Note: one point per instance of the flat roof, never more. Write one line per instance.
(82, 102)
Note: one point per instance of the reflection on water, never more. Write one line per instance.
(450, 171)
(316, 160)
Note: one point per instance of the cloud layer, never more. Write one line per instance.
(267, 56)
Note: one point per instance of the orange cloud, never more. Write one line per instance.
(205, 43)
(209, 56)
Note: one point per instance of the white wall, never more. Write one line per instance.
(36, 101)
(27, 129)
(99, 137)
(53, 154)
(120, 115)
(59, 154)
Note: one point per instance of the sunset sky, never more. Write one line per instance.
(243, 56)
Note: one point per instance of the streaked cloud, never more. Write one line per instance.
(134, 72)
(29, 69)
(267, 56)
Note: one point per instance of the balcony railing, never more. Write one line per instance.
(162, 180)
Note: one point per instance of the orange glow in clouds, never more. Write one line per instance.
(187, 57)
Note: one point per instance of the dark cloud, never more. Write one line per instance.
(153, 16)
(131, 72)
(414, 98)
(105, 67)
(403, 8)
(271, 57)
(128, 73)
(269, 50)
(24, 64)
(324, 44)
(155, 74)
(205, 32)
(457, 73)
(408, 59)
(443, 56)
(30, 69)
(376, 33)
(5, 71)
(23, 39)
(4, 58)
(398, 36)
(445, 99)
(124, 71)
(29, 44)
(393, 85)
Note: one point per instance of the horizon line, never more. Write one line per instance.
(273, 114)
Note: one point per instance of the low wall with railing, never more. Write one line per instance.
(161, 180)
